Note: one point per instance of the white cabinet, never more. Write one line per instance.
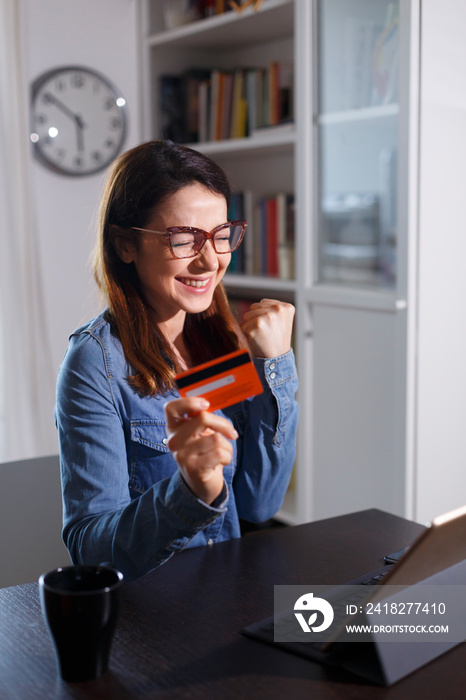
(379, 235)
(389, 341)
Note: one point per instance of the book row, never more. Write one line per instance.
(268, 246)
(211, 105)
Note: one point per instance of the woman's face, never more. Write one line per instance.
(174, 287)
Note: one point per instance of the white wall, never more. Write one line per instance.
(102, 35)
(441, 423)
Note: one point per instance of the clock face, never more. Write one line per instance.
(78, 121)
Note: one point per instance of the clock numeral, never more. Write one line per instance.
(115, 123)
(96, 156)
(109, 103)
(40, 119)
(78, 162)
(78, 80)
(109, 143)
(59, 85)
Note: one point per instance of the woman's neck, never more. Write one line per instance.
(172, 331)
(181, 353)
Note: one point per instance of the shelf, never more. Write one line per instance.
(358, 115)
(273, 20)
(372, 300)
(272, 142)
(247, 282)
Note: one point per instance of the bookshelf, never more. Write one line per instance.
(351, 159)
(261, 163)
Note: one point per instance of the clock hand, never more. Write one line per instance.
(80, 131)
(66, 110)
(80, 137)
(79, 121)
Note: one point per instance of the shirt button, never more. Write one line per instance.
(272, 365)
(273, 375)
(210, 541)
(164, 441)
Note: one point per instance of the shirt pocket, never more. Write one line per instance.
(151, 460)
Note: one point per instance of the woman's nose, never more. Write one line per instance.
(207, 258)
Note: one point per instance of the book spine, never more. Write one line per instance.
(248, 241)
(263, 237)
(272, 237)
(214, 102)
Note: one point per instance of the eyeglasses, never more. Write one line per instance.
(187, 242)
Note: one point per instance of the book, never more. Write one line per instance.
(271, 241)
(285, 92)
(204, 111)
(273, 93)
(239, 107)
(236, 212)
(257, 239)
(172, 114)
(191, 82)
(271, 256)
(214, 104)
(227, 104)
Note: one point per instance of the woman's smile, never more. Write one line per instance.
(195, 283)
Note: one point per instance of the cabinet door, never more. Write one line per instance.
(358, 304)
(357, 136)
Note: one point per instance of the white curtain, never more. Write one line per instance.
(26, 376)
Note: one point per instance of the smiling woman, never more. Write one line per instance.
(144, 472)
(140, 275)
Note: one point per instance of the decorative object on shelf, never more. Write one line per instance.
(239, 7)
(78, 120)
(176, 13)
(351, 229)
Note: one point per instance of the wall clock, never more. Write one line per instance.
(78, 120)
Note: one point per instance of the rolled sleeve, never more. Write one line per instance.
(267, 425)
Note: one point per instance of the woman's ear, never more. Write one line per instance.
(123, 243)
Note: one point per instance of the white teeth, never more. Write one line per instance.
(195, 283)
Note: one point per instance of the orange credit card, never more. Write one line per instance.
(223, 381)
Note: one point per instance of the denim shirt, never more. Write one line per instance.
(124, 499)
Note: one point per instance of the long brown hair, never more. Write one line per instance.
(139, 181)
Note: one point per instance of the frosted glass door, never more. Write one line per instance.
(357, 134)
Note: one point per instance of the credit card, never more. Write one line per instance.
(223, 381)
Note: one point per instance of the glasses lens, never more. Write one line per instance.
(185, 244)
(228, 238)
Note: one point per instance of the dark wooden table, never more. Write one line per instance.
(178, 635)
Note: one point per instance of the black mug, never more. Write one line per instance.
(80, 607)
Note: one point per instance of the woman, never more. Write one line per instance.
(145, 473)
